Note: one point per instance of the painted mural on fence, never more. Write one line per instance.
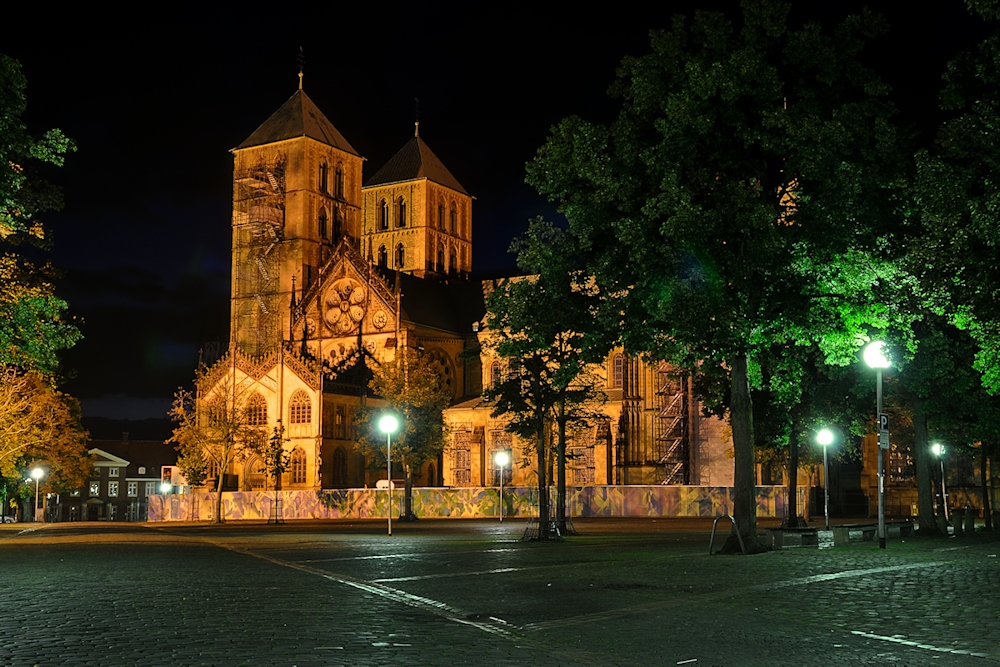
(467, 503)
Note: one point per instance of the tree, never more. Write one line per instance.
(412, 388)
(41, 425)
(214, 428)
(741, 161)
(33, 324)
(543, 326)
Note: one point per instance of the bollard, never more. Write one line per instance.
(970, 520)
(957, 519)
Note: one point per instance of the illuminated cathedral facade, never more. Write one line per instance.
(333, 272)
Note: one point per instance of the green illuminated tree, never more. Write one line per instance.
(412, 389)
(544, 328)
(751, 169)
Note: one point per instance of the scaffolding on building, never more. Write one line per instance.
(258, 229)
(672, 431)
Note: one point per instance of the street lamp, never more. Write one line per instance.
(501, 458)
(37, 474)
(875, 358)
(938, 450)
(825, 438)
(388, 424)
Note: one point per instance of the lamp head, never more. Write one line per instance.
(388, 424)
(37, 473)
(824, 437)
(166, 487)
(501, 458)
(937, 448)
(875, 355)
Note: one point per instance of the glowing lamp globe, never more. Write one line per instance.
(824, 437)
(875, 355)
(501, 458)
(388, 424)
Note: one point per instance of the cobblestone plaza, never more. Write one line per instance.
(623, 592)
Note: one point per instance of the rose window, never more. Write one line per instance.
(344, 305)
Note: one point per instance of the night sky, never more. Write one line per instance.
(155, 106)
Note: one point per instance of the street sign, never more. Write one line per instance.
(883, 440)
(883, 423)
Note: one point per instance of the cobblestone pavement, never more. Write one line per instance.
(469, 593)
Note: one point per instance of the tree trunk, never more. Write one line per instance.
(543, 488)
(561, 470)
(926, 522)
(741, 421)
(792, 520)
(407, 514)
(218, 498)
(987, 509)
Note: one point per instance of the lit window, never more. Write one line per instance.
(618, 370)
(298, 466)
(133, 489)
(300, 408)
(383, 215)
(95, 488)
(113, 489)
(256, 411)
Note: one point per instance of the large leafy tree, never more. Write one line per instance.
(748, 166)
(412, 389)
(544, 327)
(33, 322)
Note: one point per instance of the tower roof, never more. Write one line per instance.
(298, 117)
(415, 160)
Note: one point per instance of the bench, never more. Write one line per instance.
(893, 528)
(782, 538)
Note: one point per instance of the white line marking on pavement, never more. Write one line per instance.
(448, 574)
(402, 555)
(417, 601)
(929, 647)
(845, 575)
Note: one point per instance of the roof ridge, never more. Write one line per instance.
(298, 117)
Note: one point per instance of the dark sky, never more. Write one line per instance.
(155, 105)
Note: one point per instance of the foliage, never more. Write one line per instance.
(543, 326)
(411, 387)
(276, 459)
(33, 323)
(212, 426)
(40, 425)
(749, 170)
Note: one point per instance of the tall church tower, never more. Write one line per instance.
(296, 194)
(417, 216)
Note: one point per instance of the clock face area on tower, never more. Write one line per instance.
(344, 305)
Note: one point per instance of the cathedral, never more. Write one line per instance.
(333, 272)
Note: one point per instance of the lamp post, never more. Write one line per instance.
(37, 474)
(875, 358)
(501, 458)
(938, 450)
(825, 438)
(388, 425)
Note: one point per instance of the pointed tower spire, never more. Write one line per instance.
(302, 64)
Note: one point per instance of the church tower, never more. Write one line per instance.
(417, 216)
(296, 195)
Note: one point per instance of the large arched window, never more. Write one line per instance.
(322, 223)
(440, 216)
(338, 182)
(401, 213)
(440, 259)
(454, 218)
(494, 374)
(400, 256)
(339, 467)
(383, 257)
(618, 370)
(383, 215)
(256, 411)
(452, 261)
(323, 180)
(298, 466)
(300, 408)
